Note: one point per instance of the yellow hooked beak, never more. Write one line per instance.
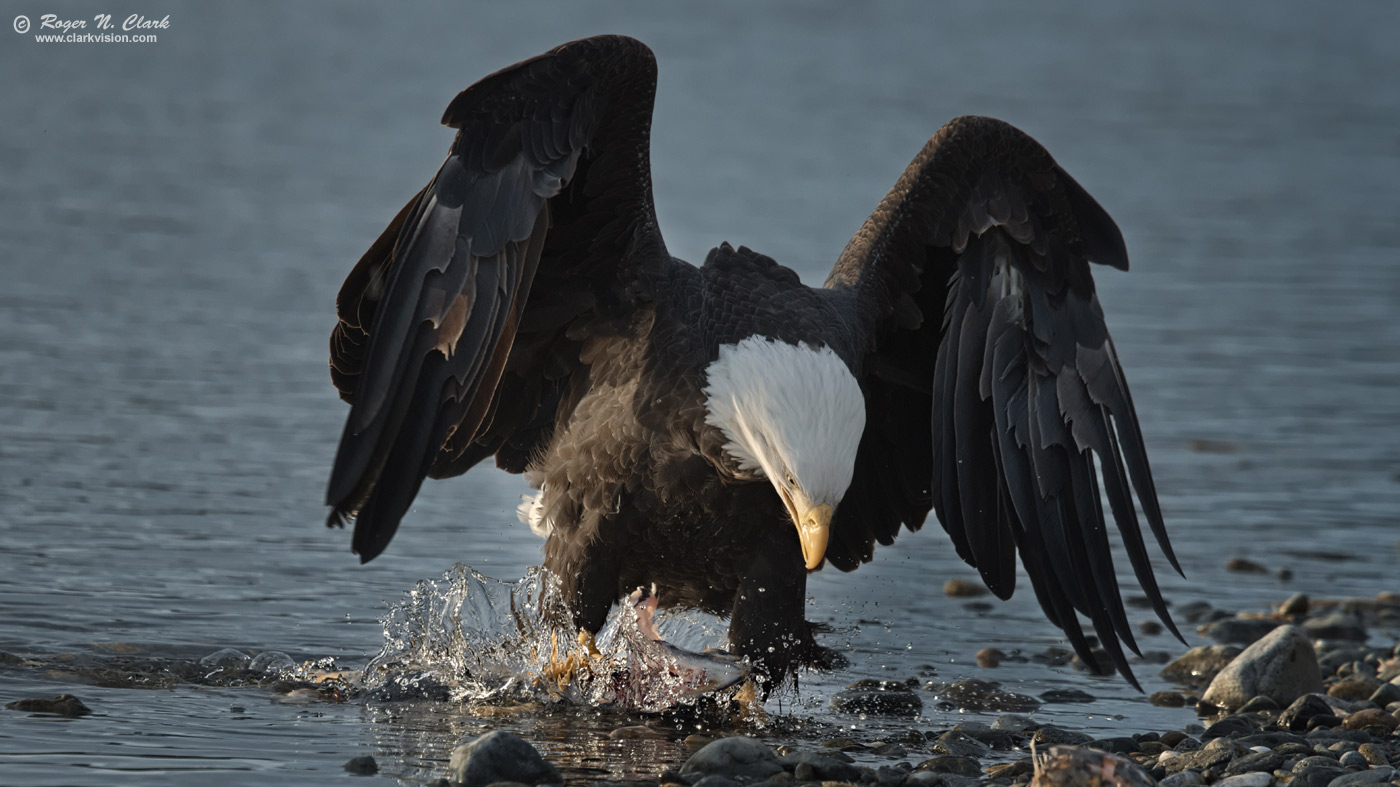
(813, 530)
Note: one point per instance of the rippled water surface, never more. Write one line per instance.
(176, 217)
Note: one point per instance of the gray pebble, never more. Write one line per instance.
(731, 757)
(1352, 759)
(500, 756)
(1335, 625)
(1281, 666)
(1373, 776)
(1183, 779)
(1247, 780)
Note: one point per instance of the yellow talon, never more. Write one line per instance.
(748, 707)
(563, 669)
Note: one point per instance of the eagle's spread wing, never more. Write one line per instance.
(994, 394)
(453, 342)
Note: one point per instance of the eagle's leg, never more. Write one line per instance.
(768, 623)
(588, 575)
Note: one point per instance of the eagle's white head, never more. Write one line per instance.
(794, 414)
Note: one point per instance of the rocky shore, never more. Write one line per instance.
(1292, 697)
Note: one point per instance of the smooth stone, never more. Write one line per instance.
(1353, 759)
(60, 705)
(1011, 722)
(1199, 664)
(731, 757)
(1231, 727)
(1067, 696)
(362, 766)
(982, 695)
(1371, 717)
(1335, 625)
(1258, 704)
(1167, 699)
(1373, 754)
(1247, 780)
(893, 699)
(1238, 631)
(957, 587)
(500, 756)
(1055, 736)
(990, 658)
(1386, 694)
(961, 766)
(1354, 688)
(1373, 776)
(1205, 758)
(1302, 711)
(1183, 779)
(1282, 666)
(1317, 775)
(959, 744)
(810, 766)
(1297, 604)
(1265, 761)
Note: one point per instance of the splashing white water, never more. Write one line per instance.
(468, 637)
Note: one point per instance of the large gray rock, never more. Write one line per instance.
(1200, 665)
(736, 756)
(1282, 666)
(500, 756)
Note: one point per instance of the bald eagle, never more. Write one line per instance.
(720, 431)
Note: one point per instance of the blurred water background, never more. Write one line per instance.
(176, 217)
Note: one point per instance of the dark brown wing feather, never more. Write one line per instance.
(994, 392)
(453, 341)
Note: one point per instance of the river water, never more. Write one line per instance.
(176, 217)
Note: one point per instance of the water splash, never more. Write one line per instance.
(469, 637)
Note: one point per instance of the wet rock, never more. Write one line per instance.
(881, 698)
(1258, 705)
(696, 742)
(1200, 664)
(1172, 738)
(1067, 696)
(1069, 767)
(890, 776)
(1238, 631)
(636, 732)
(982, 695)
(1150, 627)
(809, 766)
(733, 757)
(1302, 710)
(500, 756)
(958, 587)
(1012, 771)
(1194, 612)
(1011, 722)
(1297, 604)
(1281, 666)
(1231, 727)
(60, 705)
(1054, 656)
(1352, 759)
(1370, 718)
(960, 766)
(1167, 699)
(989, 658)
(1056, 736)
(1121, 745)
(893, 750)
(1213, 755)
(959, 744)
(1335, 625)
(1240, 565)
(713, 780)
(362, 766)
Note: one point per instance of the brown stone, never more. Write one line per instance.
(1371, 717)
